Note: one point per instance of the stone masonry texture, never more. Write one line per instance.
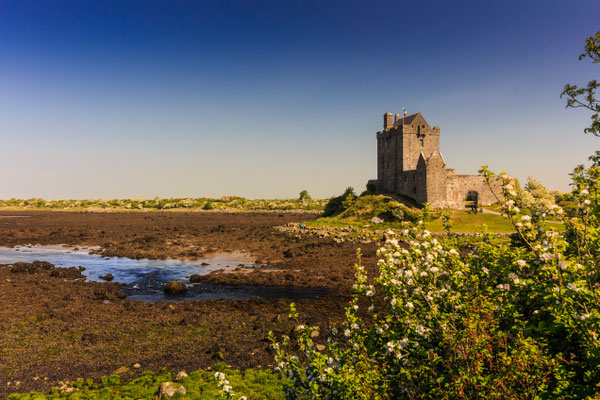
(409, 163)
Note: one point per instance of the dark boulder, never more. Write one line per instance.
(108, 277)
(175, 287)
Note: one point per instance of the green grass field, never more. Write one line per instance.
(462, 222)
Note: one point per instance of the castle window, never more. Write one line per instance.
(421, 142)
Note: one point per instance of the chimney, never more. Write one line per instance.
(387, 121)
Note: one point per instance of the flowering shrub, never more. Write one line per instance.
(502, 319)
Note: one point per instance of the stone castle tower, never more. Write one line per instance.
(409, 163)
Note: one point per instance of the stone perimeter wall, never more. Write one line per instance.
(459, 186)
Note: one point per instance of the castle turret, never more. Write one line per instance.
(388, 123)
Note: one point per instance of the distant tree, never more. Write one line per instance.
(585, 97)
(304, 196)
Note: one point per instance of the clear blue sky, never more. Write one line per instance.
(102, 99)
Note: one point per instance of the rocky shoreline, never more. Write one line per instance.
(56, 327)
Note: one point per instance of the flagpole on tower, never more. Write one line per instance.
(403, 114)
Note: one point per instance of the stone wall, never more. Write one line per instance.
(398, 147)
(436, 180)
(389, 161)
(458, 187)
(409, 163)
(418, 137)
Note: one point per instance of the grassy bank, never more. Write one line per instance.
(199, 385)
(374, 213)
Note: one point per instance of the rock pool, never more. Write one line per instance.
(144, 279)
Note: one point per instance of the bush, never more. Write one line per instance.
(371, 188)
(535, 197)
(337, 205)
(495, 320)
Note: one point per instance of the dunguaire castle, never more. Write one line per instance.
(409, 163)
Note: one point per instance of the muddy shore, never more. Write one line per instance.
(58, 326)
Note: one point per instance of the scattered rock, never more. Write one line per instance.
(90, 338)
(321, 347)
(137, 366)
(314, 333)
(288, 253)
(376, 220)
(169, 389)
(195, 278)
(180, 376)
(108, 277)
(121, 370)
(175, 287)
(66, 388)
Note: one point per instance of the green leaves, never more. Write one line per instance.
(585, 97)
(493, 319)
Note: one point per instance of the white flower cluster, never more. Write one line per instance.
(225, 386)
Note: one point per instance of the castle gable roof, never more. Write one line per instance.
(416, 118)
(436, 158)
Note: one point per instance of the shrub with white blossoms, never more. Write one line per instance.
(494, 319)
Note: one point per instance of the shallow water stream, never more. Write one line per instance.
(144, 279)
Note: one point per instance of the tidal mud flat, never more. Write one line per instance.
(55, 325)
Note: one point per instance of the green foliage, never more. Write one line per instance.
(200, 385)
(208, 206)
(583, 228)
(493, 319)
(446, 222)
(348, 207)
(348, 197)
(337, 205)
(427, 214)
(304, 196)
(371, 188)
(585, 97)
(535, 197)
(225, 203)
